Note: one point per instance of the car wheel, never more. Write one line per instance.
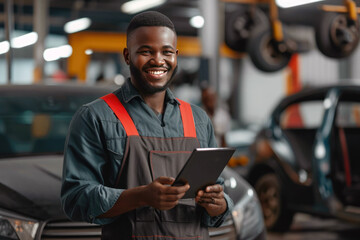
(336, 35)
(265, 53)
(276, 216)
(239, 24)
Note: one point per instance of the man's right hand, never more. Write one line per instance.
(158, 194)
(161, 195)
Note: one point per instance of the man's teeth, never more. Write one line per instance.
(156, 72)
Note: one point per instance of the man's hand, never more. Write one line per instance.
(158, 194)
(212, 199)
(161, 195)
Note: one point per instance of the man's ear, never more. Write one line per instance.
(126, 56)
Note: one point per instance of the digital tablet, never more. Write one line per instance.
(203, 168)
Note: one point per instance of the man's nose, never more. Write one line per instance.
(158, 59)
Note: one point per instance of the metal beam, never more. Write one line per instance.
(9, 23)
(41, 8)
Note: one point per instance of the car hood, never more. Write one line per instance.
(31, 186)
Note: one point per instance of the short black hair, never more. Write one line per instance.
(149, 19)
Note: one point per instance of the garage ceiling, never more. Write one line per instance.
(105, 14)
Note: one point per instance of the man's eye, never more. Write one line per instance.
(168, 52)
(145, 52)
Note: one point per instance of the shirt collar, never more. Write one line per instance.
(129, 92)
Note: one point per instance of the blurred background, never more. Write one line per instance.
(237, 58)
(214, 47)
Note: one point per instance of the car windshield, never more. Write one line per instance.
(36, 124)
(307, 114)
(348, 115)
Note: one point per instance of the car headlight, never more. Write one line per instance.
(16, 227)
(248, 216)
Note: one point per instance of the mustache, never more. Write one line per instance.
(156, 66)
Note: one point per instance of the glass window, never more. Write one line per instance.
(37, 124)
(348, 114)
(302, 115)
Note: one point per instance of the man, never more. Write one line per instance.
(218, 114)
(124, 150)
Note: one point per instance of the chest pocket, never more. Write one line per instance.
(115, 158)
(169, 164)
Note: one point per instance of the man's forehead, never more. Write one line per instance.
(152, 35)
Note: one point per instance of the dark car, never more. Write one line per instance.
(34, 120)
(306, 159)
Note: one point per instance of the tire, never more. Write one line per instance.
(264, 53)
(276, 216)
(337, 36)
(239, 24)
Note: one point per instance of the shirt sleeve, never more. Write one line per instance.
(218, 220)
(84, 195)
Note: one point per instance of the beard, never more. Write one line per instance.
(143, 85)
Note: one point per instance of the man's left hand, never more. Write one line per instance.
(212, 199)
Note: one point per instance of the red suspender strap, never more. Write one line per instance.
(121, 113)
(187, 119)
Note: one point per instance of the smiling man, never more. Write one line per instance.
(152, 62)
(124, 150)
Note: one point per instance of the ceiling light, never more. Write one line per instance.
(135, 6)
(77, 25)
(24, 40)
(52, 54)
(197, 22)
(294, 3)
(4, 47)
(89, 51)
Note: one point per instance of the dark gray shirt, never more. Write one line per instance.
(95, 147)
